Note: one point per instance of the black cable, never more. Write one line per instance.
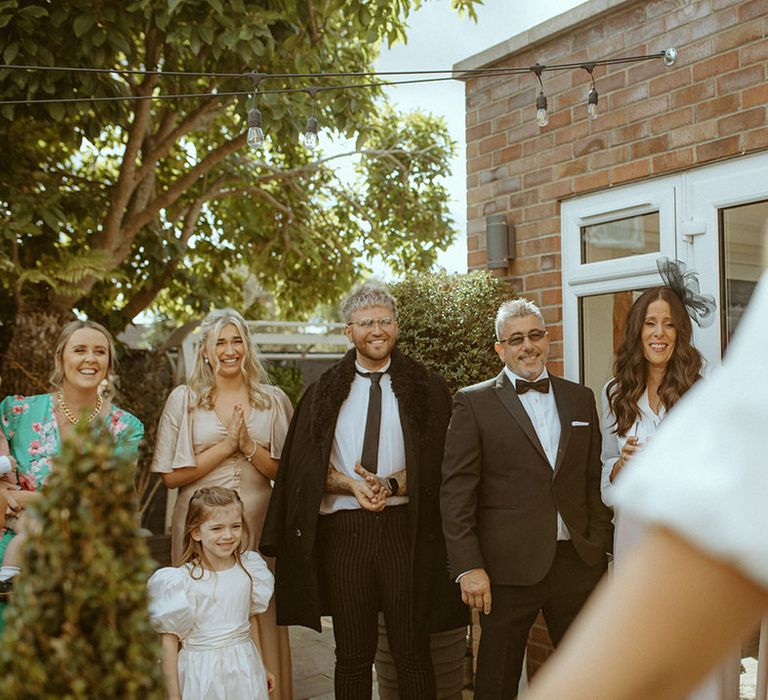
(454, 75)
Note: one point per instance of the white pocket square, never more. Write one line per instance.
(577, 423)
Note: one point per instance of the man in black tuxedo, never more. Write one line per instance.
(525, 527)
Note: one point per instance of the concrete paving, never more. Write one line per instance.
(313, 660)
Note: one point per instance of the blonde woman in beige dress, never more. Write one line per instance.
(227, 428)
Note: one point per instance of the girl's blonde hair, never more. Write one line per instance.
(57, 376)
(202, 380)
(201, 507)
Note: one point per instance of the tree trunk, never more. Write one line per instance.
(28, 361)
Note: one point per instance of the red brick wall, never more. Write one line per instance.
(653, 120)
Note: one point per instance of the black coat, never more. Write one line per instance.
(290, 529)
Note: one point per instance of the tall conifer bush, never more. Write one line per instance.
(77, 626)
(447, 321)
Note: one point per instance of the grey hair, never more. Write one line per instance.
(372, 292)
(516, 308)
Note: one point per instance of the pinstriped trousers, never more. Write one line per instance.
(365, 565)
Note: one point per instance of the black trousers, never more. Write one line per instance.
(560, 596)
(365, 563)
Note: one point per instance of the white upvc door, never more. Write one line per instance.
(711, 218)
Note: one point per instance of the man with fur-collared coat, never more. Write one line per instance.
(354, 533)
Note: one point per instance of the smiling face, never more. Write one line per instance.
(229, 351)
(529, 358)
(220, 535)
(658, 335)
(85, 359)
(373, 344)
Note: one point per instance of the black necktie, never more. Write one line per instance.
(521, 386)
(370, 456)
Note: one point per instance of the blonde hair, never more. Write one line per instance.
(57, 376)
(202, 380)
(201, 509)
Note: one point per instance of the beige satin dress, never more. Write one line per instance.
(182, 434)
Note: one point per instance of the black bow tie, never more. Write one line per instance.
(542, 385)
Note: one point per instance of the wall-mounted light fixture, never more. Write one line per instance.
(500, 241)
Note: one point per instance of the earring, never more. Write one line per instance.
(207, 361)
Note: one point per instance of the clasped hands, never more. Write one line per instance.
(372, 492)
(238, 438)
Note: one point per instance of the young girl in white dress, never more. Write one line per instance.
(206, 605)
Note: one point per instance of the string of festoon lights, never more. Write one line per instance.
(255, 127)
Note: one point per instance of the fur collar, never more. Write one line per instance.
(410, 382)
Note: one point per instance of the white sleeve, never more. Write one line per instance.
(171, 604)
(263, 582)
(705, 473)
(610, 451)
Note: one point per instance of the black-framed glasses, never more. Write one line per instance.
(367, 323)
(536, 335)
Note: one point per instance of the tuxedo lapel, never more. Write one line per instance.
(506, 393)
(563, 402)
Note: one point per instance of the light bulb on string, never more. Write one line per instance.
(542, 116)
(311, 139)
(592, 98)
(255, 136)
(592, 95)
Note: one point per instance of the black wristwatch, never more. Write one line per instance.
(393, 485)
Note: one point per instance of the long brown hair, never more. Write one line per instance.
(630, 368)
(201, 506)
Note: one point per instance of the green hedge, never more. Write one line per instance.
(447, 322)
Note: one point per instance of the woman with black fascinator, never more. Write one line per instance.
(655, 365)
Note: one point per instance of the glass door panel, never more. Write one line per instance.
(620, 238)
(603, 318)
(743, 231)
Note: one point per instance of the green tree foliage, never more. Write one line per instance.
(77, 626)
(448, 323)
(116, 207)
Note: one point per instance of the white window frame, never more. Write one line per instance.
(607, 276)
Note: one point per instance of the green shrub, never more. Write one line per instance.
(447, 322)
(77, 626)
(289, 379)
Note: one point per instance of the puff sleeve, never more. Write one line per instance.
(174, 447)
(263, 581)
(282, 412)
(171, 604)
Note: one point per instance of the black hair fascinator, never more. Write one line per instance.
(700, 307)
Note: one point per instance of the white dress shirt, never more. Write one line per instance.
(542, 410)
(350, 432)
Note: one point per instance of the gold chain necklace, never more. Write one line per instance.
(66, 411)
